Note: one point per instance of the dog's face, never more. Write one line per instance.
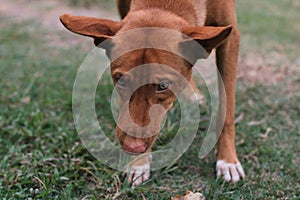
(147, 80)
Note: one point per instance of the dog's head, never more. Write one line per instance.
(146, 94)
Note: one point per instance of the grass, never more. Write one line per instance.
(270, 25)
(89, 3)
(41, 156)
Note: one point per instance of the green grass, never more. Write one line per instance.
(40, 148)
(270, 25)
(89, 3)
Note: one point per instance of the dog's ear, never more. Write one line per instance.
(97, 28)
(207, 36)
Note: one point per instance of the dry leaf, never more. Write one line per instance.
(189, 196)
(257, 123)
(26, 100)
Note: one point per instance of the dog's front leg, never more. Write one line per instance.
(228, 164)
(138, 171)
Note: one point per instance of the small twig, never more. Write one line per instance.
(117, 183)
(257, 123)
(40, 181)
(266, 134)
(239, 118)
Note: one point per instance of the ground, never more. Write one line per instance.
(41, 156)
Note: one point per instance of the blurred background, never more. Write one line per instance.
(41, 156)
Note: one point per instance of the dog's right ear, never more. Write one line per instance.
(97, 28)
(207, 37)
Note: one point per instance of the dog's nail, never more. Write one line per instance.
(219, 173)
(130, 177)
(234, 174)
(146, 176)
(240, 170)
(226, 174)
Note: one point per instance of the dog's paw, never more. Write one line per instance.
(137, 174)
(194, 96)
(229, 171)
(198, 98)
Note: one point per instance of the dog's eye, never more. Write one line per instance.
(122, 82)
(163, 86)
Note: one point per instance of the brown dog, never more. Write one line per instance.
(212, 24)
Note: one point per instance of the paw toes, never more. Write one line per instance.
(137, 181)
(226, 175)
(137, 174)
(198, 98)
(146, 176)
(229, 171)
(130, 177)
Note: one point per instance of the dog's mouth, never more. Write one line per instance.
(132, 153)
(134, 145)
(134, 150)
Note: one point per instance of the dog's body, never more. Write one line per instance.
(191, 17)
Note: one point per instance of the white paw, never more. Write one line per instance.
(229, 171)
(137, 174)
(198, 98)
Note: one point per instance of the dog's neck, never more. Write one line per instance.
(165, 14)
(182, 8)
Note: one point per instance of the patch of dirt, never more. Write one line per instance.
(251, 72)
(269, 69)
(47, 14)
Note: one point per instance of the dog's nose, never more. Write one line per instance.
(134, 145)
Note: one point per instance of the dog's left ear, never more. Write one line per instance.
(97, 28)
(207, 36)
